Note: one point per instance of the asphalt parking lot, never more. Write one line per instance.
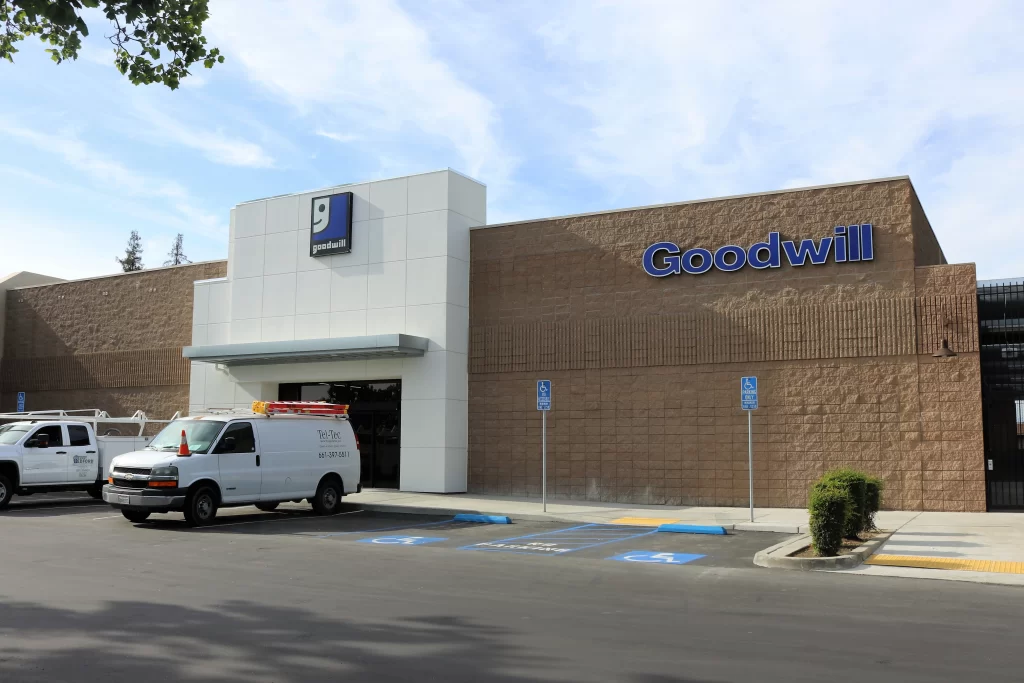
(288, 596)
(358, 530)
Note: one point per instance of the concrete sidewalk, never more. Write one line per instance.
(781, 520)
(959, 546)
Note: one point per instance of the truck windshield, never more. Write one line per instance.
(12, 433)
(198, 433)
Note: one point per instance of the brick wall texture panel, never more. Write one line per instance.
(645, 370)
(111, 343)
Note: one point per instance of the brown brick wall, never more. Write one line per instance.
(927, 251)
(646, 370)
(112, 343)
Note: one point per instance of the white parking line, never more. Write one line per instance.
(107, 517)
(282, 519)
(29, 508)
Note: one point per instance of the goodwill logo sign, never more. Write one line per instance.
(847, 244)
(330, 230)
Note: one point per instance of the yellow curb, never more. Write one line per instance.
(643, 521)
(996, 566)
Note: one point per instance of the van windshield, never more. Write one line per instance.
(198, 433)
(12, 433)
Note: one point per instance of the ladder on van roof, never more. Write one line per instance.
(300, 408)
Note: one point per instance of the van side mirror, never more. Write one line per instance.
(228, 444)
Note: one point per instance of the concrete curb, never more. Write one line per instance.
(767, 526)
(716, 530)
(483, 519)
(777, 556)
(555, 517)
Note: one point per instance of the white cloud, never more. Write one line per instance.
(216, 146)
(366, 69)
(343, 138)
(122, 184)
(689, 100)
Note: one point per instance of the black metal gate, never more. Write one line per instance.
(1001, 318)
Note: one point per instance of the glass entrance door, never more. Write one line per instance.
(374, 411)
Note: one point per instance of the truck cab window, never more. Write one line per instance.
(52, 431)
(244, 439)
(78, 435)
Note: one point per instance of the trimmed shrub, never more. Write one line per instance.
(854, 482)
(872, 501)
(829, 507)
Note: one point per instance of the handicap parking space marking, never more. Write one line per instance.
(439, 525)
(402, 540)
(655, 557)
(562, 541)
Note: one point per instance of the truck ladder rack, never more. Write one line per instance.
(93, 416)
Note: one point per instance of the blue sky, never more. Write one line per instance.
(559, 107)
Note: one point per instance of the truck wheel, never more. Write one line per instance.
(6, 491)
(267, 507)
(201, 506)
(95, 492)
(135, 516)
(328, 497)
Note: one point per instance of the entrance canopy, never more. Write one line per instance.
(310, 350)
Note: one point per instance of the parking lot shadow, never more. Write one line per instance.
(45, 508)
(244, 641)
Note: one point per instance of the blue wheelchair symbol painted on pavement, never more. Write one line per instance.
(654, 557)
(403, 540)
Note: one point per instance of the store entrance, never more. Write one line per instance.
(374, 410)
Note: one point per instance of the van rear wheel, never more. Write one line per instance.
(267, 507)
(135, 516)
(201, 506)
(328, 497)
(95, 492)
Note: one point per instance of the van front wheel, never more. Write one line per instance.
(6, 491)
(200, 506)
(328, 497)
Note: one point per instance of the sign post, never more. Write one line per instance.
(544, 405)
(748, 400)
(21, 401)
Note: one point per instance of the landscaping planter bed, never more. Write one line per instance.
(796, 554)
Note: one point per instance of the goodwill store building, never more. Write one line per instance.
(398, 297)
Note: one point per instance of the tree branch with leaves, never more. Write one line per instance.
(141, 28)
(176, 256)
(132, 260)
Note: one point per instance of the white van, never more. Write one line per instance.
(281, 451)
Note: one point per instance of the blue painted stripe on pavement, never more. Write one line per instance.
(386, 528)
(558, 538)
(692, 529)
(483, 519)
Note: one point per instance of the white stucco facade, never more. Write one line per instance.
(407, 273)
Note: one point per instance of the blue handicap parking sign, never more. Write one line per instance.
(403, 540)
(21, 401)
(748, 393)
(543, 394)
(654, 557)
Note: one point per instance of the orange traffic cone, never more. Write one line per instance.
(183, 448)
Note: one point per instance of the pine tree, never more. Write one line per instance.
(132, 260)
(176, 257)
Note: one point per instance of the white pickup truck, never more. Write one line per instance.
(43, 453)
